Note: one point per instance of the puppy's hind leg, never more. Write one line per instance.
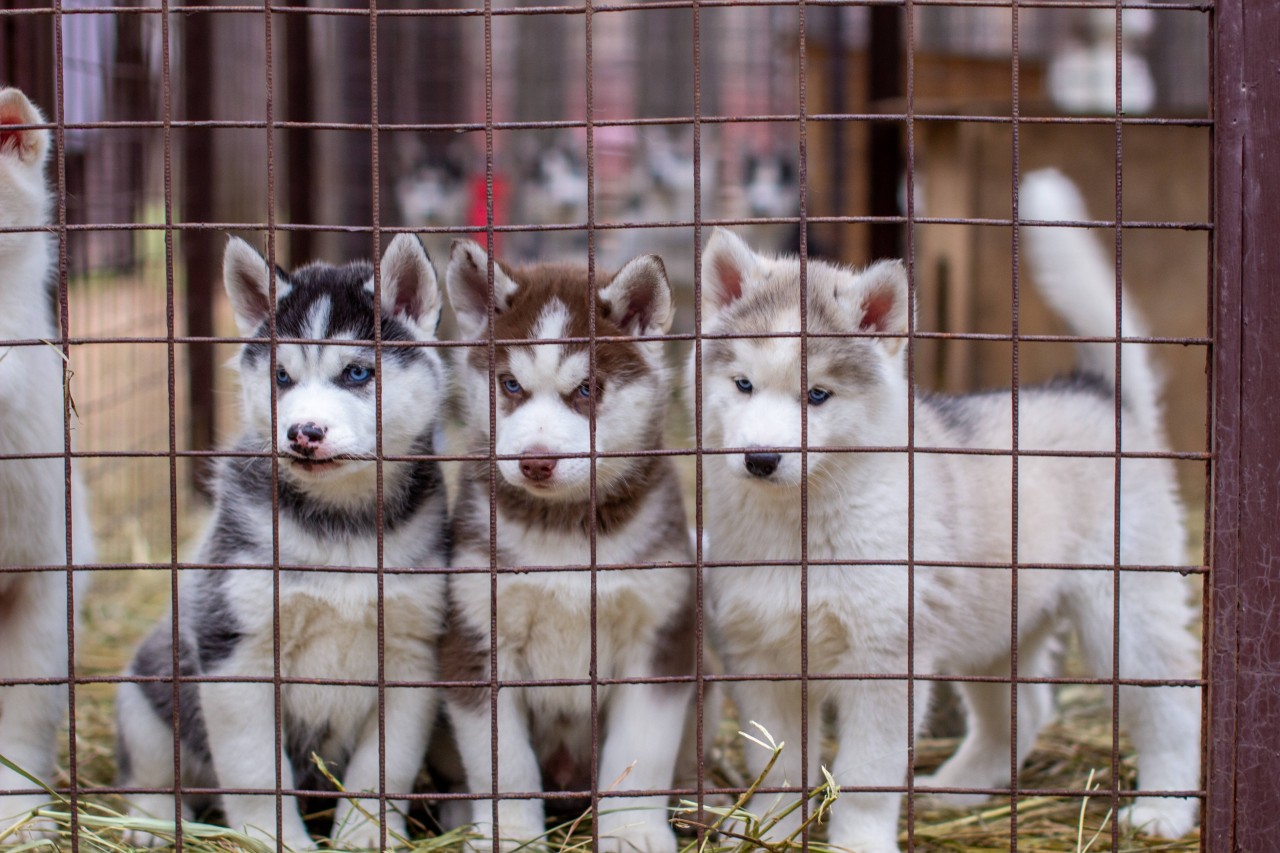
(983, 759)
(144, 756)
(28, 728)
(1164, 722)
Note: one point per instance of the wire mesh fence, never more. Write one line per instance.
(516, 530)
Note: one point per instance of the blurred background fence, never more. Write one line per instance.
(177, 132)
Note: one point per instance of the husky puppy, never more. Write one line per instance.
(33, 516)
(329, 627)
(547, 399)
(856, 396)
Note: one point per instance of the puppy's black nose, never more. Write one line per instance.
(763, 464)
(303, 438)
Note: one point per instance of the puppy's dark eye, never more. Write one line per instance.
(357, 374)
(744, 385)
(510, 385)
(283, 378)
(818, 396)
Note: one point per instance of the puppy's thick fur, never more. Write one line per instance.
(858, 510)
(33, 516)
(546, 399)
(327, 496)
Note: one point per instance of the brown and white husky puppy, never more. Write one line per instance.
(864, 516)
(552, 410)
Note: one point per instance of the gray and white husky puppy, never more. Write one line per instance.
(859, 506)
(33, 514)
(328, 623)
(547, 398)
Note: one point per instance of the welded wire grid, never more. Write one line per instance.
(138, 208)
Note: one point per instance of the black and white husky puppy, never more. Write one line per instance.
(33, 515)
(328, 623)
(860, 510)
(546, 398)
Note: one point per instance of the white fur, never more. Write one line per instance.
(34, 607)
(544, 625)
(963, 511)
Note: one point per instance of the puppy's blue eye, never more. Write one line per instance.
(818, 396)
(744, 385)
(357, 374)
(584, 390)
(282, 377)
(511, 386)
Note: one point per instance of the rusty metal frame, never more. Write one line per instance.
(1242, 663)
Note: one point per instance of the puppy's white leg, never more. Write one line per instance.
(982, 759)
(1164, 722)
(28, 727)
(872, 752)
(240, 719)
(145, 755)
(646, 725)
(33, 645)
(776, 706)
(409, 712)
(519, 821)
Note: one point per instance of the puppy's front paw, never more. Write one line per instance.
(636, 832)
(931, 801)
(1161, 817)
(357, 832)
(514, 836)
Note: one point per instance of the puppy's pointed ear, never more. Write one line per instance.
(247, 278)
(879, 298)
(410, 289)
(30, 145)
(728, 269)
(468, 284)
(638, 299)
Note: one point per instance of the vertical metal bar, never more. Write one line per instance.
(175, 660)
(1016, 179)
(493, 419)
(909, 14)
(277, 673)
(805, 734)
(379, 469)
(1117, 399)
(698, 639)
(1243, 776)
(59, 136)
(592, 527)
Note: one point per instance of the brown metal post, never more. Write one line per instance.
(299, 142)
(27, 59)
(885, 163)
(201, 251)
(1243, 812)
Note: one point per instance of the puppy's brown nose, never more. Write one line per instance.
(537, 468)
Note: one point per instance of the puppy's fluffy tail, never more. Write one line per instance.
(1077, 278)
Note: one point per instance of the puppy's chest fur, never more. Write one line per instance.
(545, 617)
(328, 620)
